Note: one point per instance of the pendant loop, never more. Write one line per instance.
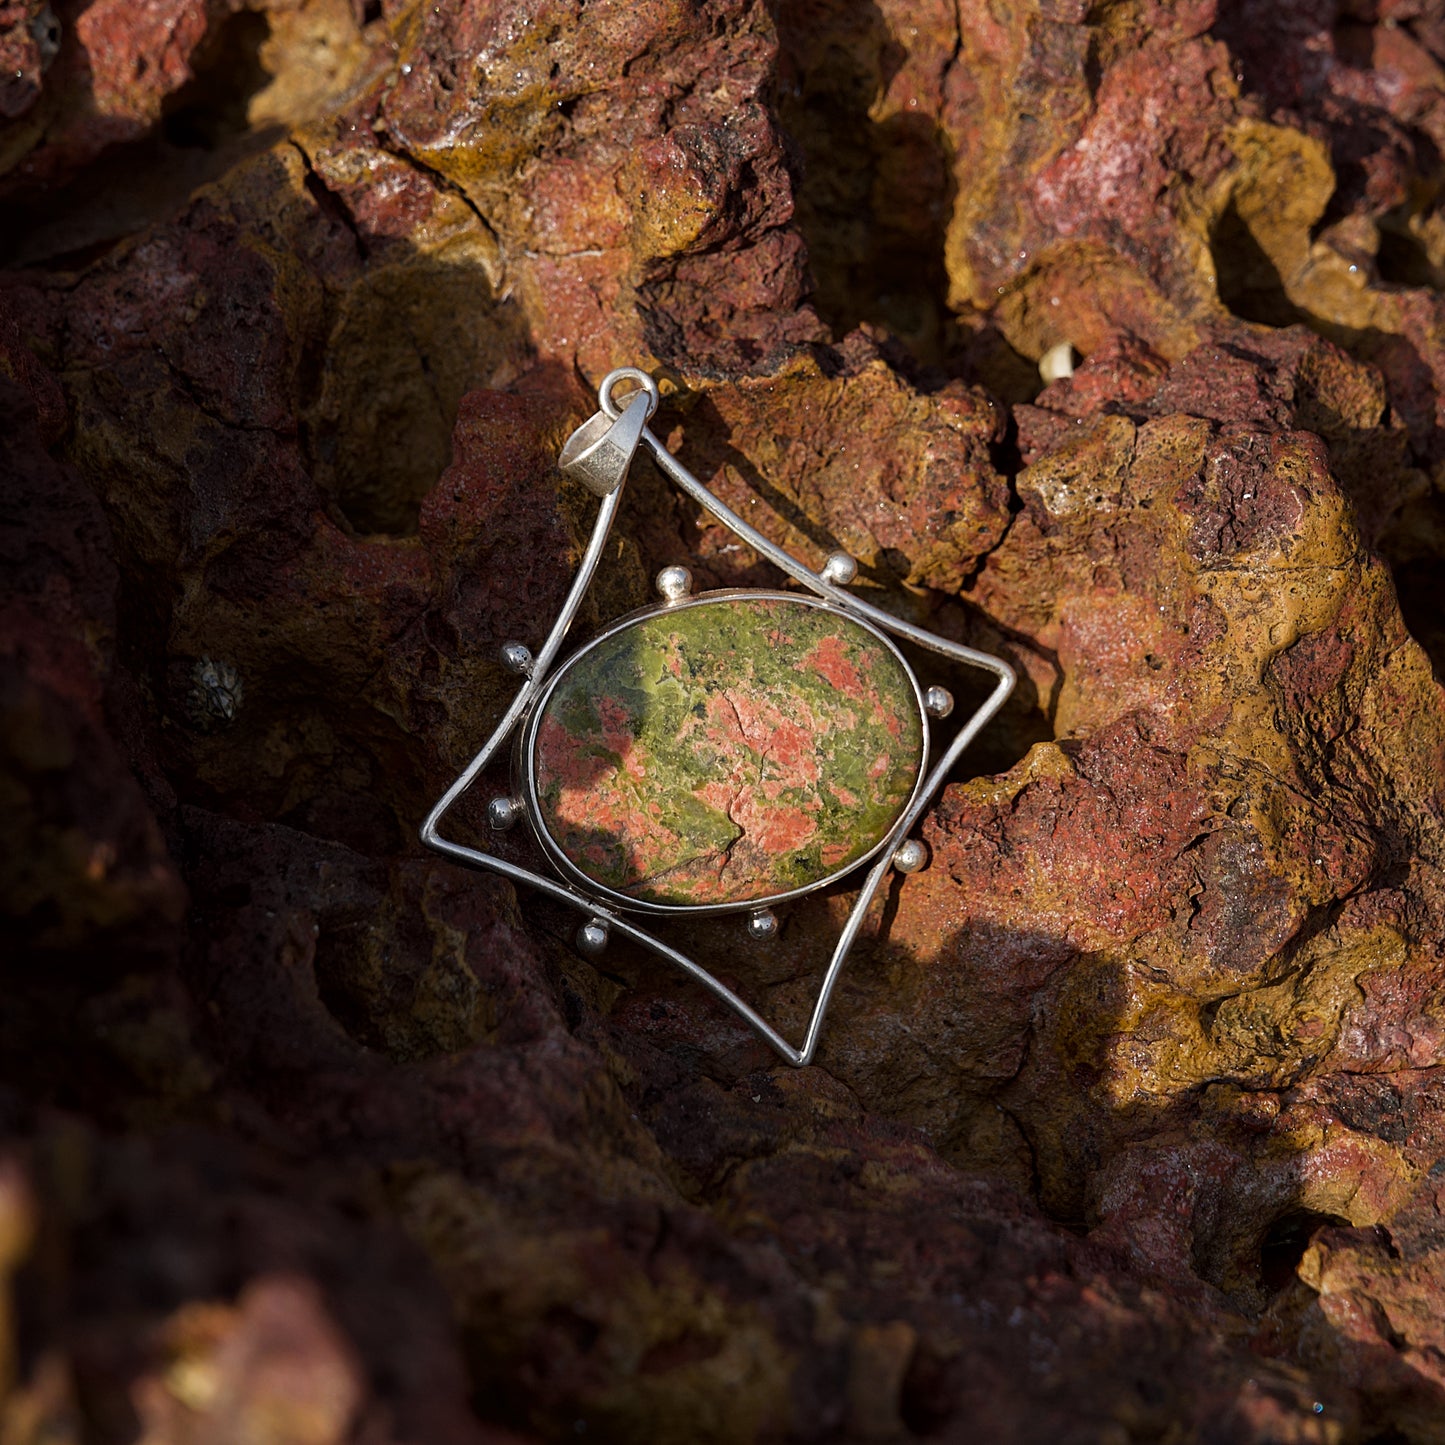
(644, 382)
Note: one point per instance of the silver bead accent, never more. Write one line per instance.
(762, 925)
(503, 812)
(592, 937)
(910, 856)
(674, 583)
(938, 702)
(840, 569)
(517, 657)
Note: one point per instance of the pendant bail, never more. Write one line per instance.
(599, 453)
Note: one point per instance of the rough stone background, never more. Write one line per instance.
(1129, 1124)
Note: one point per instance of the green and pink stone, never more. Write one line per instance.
(727, 751)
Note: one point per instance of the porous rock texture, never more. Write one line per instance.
(1129, 1121)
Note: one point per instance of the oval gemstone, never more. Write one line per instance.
(726, 751)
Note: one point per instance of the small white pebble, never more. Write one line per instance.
(1057, 362)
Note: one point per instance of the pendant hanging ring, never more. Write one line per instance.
(628, 373)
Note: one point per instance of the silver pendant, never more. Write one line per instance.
(791, 737)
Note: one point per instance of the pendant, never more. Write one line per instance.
(718, 753)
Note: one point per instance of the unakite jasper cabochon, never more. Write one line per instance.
(726, 750)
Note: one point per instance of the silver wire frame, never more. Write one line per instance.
(535, 680)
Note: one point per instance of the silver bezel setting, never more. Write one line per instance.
(598, 454)
(526, 759)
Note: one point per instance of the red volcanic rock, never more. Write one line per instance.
(29, 36)
(844, 453)
(86, 870)
(1127, 1119)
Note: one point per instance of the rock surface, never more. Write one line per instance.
(1129, 1121)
